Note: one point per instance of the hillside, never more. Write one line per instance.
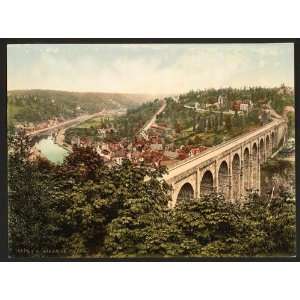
(40, 105)
(277, 97)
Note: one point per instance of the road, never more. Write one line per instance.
(66, 123)
(153, 119)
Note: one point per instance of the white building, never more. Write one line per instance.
(220, 101)
(244, 107)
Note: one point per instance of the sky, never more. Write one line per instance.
(148, 68)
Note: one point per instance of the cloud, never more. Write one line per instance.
(148, 68)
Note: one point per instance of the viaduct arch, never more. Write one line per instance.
(186, 192)
(207, 183)
(231, 168)
(247, 171)
(223, 179)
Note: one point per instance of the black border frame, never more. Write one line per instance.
(3, 141)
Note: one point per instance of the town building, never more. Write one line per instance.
(242, 105)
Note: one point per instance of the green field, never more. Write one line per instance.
(87, 129)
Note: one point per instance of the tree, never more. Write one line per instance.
(216, 127)
(194, 120)
(177, 127)
(228, 124)
(33, 219)
(221, 118)
(197, 140)
(291, 124)
(270, 224)
(143, 206)
(96, 196)
(208, 221)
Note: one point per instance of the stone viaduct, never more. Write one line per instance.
(231, 168)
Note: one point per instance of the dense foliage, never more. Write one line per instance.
(291, 124)
(83, 208)
(135, 119)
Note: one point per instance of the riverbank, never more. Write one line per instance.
(60, 138)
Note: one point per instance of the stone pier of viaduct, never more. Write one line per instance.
(231, 168)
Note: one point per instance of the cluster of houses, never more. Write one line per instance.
(240, 106)
(30, 127)
(237, 105)
(150, 149)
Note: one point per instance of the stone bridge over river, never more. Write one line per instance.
(231, 168)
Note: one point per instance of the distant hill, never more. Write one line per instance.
(40, 105)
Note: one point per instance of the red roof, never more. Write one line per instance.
(182, 156)
(197, 150)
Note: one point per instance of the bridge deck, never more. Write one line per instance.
(210, 153)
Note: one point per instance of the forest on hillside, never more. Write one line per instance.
(214, 125)
(41, 105)
(278, 97)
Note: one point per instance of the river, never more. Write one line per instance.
(50, 150)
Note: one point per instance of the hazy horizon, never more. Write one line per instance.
(152, 69)
(140, 93)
